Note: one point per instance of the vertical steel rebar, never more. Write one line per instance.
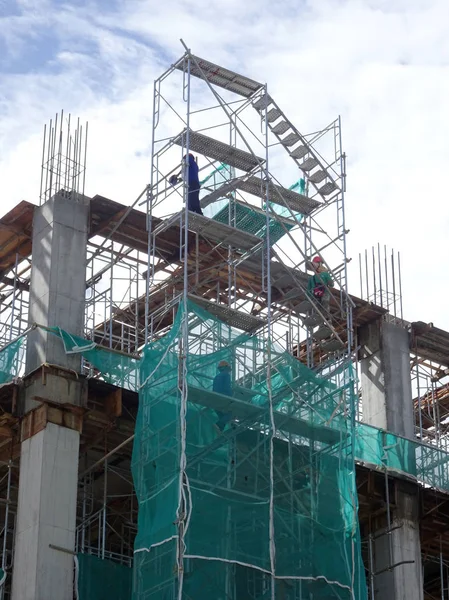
(374, 276)
(43, 163)
(394, 283)
(360, 272)
(380, 276)
(400, 284)
(367, 275)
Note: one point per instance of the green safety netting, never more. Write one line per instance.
(251, 221)
(218, 176)
(244, 216)
(119, 369)
(246, 500)
(300, 188)
(273, 494)
(11, 360)
(394, 453)
(102, 579)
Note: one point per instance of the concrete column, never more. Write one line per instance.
(387, 404)
(385, 378)
(58, 279)
(46, 516)
(397, 556)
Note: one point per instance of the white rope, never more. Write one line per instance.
(182, 506)
(77, 573)
(271, 513)
(173, 537)
(158, 491)
(268, 572)
(75, 348)
(155, 368)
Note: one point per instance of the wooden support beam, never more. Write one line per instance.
(65, 415)
(113, 403)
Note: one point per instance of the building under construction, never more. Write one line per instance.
(323, 474)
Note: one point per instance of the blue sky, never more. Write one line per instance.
(383, 65)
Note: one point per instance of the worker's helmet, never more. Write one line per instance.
(223, 364)
(317, 260)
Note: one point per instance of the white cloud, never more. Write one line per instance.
(382, 65)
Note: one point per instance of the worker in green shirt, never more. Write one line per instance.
(319, 284)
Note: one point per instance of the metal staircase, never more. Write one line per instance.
(324, 180)
(317, 172)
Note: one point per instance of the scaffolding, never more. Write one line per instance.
(234, 288)
(230, 284)
(244, 496)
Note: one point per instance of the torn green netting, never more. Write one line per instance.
(223, 496)
(119, 369)
(102, 579)
(11, 360)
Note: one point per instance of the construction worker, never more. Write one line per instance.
(193, 183)
(319, 284)
(223, 385)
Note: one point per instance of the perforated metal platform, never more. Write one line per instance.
(234, 157)
(296, 202)
(304, 306)
(323, 332)
(332, 345)
(312, 321)
(232, 317)
(221, 233)
(224, 78)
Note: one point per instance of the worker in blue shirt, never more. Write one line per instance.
(193, 184)
(223, 385)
